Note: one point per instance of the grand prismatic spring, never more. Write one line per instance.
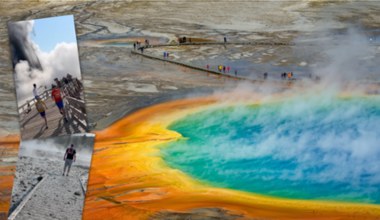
(312, 157)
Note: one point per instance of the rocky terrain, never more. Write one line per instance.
(30, 171)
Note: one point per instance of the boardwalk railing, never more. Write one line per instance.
(254, 43)
(208, 70)
(44, 95)
(193, 67)
(75, 104)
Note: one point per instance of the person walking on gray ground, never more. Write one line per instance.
(69, 158)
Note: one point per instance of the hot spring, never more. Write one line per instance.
(321, 148)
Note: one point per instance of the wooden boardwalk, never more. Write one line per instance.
(32, 125)
(252, 43)
(229, 75)
(223, 74)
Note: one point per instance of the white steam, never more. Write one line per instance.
(63, 59)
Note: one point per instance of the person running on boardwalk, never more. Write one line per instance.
(69, 158)
(35, 93)
(57, 97)
(41, 107)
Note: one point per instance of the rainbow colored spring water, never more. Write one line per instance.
(303, 148)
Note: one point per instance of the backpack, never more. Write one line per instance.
(40, 106)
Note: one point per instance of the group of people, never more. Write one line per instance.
(137, 45)
(223, 69)
(182, 40)
(166, 55)
(288, 75)
(41, 107)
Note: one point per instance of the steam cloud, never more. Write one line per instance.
(54, 149)
(32, 65)
(21, 46)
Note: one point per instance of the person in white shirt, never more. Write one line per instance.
(35, 91)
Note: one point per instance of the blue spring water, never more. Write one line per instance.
(305, 148)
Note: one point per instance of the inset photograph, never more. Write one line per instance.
(47, 76)
(51, 178)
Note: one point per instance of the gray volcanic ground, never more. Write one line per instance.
(117, 82)
(44, 159)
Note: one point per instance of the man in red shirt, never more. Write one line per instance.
(57, 97)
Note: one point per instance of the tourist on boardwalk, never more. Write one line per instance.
(235, 72)
(228, 69)
(167, 55)
(134, 46)
(142, 49)
(41, 107)
(265, 75)
(220, 68)
(146, 42)
(35, 93)
(225, 39)
(290, 75)
(207, 67)
(28, 109)
(69, 158)
(57, 97)
(224, 69)
(58, 83)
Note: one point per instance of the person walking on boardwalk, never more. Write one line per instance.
(265, 75)
(69, 158)
(208, 67)
(134, 46)
(225, 39)
(224, 69)
(41, 107)
(228, 69)
(235, 72)
(57, 97)
(35, 93)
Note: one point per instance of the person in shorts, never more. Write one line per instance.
(41, 107)
(69, 158)
(57, 97)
